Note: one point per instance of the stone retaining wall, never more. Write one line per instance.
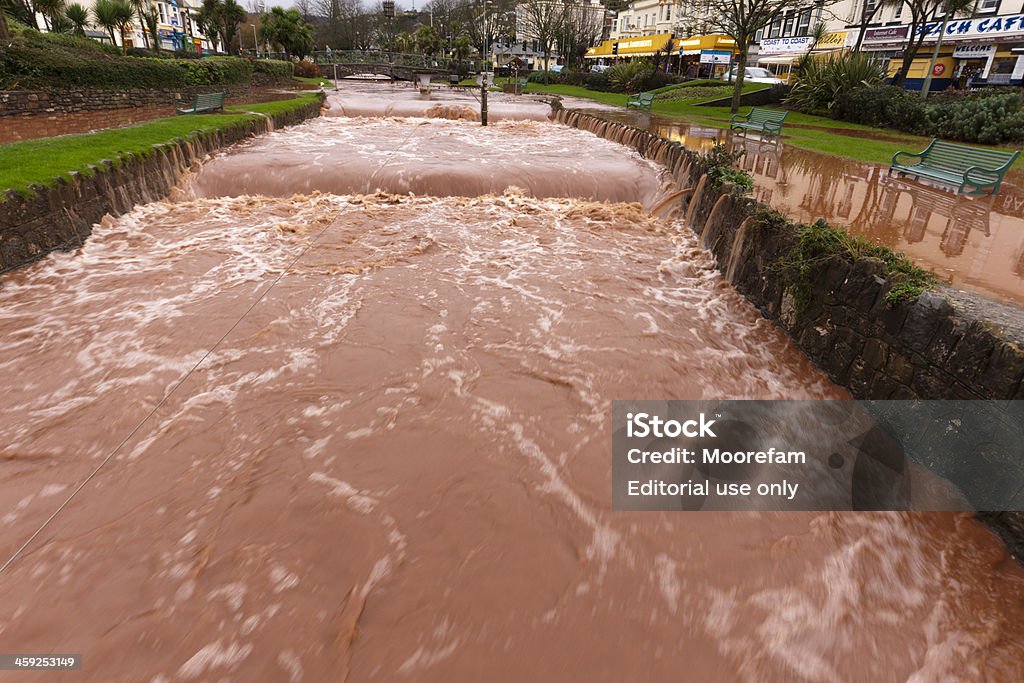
(62, 216)
(941, 345)
(71, 100)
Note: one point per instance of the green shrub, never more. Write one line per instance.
(630, 77)
(685, 91)
(277, 68)
(824, 81)
(988, 120)
(718, 165)
(883, 106)
(598, 80)
(34, 60)
(306, 69)
(543, 77)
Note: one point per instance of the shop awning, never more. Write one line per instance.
(602, 50)
(694, 44)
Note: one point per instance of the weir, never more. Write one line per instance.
(340, 404)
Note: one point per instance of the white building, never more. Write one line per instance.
(177, 28)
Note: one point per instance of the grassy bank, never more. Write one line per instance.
(41, 162)
(815, 133)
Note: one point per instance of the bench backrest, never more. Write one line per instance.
(950, 156)
(758, 115)
(208, 100)
(646, 97)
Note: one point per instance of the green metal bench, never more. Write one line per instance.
(521, 85)
(957, 165)
(766, 122)
(210, 101)
(642, 100)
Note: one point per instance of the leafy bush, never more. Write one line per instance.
(306, 69)
(718, 165)
(34, 60)
(988, 120)
(685, 92)
(630, 77)
(543, 77)
(598, 80)
(883, 106)
(824, 81)
(217, 71)
(277, 68)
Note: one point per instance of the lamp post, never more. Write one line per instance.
(255, 41)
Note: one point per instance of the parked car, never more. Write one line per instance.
(599, 68)
(557, 68)
(757, 74)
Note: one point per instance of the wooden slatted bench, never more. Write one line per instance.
(957, 165)
(766, 122)
(642, 100)
(210, 101)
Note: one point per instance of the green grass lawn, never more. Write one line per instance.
(41, 162)
(312, 81)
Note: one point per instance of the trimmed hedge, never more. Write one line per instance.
(35, 60)
(988, 118)
(275, 68)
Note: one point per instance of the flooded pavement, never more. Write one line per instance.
(972, 243)
(365, 437)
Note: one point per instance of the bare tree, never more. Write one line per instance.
(742, 19)
(540, 21)
(580, 28)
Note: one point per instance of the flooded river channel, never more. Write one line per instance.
(340, 410)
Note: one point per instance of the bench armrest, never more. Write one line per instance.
(913, 155)
(739, 118)
(985, 175)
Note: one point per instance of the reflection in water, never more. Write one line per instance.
(976, 243)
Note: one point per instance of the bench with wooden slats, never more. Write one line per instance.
(766, 122)
(210, 101)
(974, 169)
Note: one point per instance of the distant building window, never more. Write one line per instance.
(803, 24)
(776, 28)
(989, 6)
(788, 28)
(163, 13)
(899, 11)
(668, 12)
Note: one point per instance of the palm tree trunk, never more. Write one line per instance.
(5, 32)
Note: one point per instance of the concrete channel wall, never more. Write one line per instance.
(941, 345)
(62, 216)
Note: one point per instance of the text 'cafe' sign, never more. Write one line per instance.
(977, 28)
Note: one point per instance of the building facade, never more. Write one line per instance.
(177, 29)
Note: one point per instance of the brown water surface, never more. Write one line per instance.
(366, 437)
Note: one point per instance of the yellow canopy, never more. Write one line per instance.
(694, 44)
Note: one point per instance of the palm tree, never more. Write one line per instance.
(232, 14)
(106, 17)
(50, 9)
(140, 7)
(286, 30)
(79, 18)
(5, 32)
(210, 20)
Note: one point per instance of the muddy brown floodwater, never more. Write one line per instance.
(365, 437)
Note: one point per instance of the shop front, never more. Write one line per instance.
(974, 53)
(782, 56)
(703, 56)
